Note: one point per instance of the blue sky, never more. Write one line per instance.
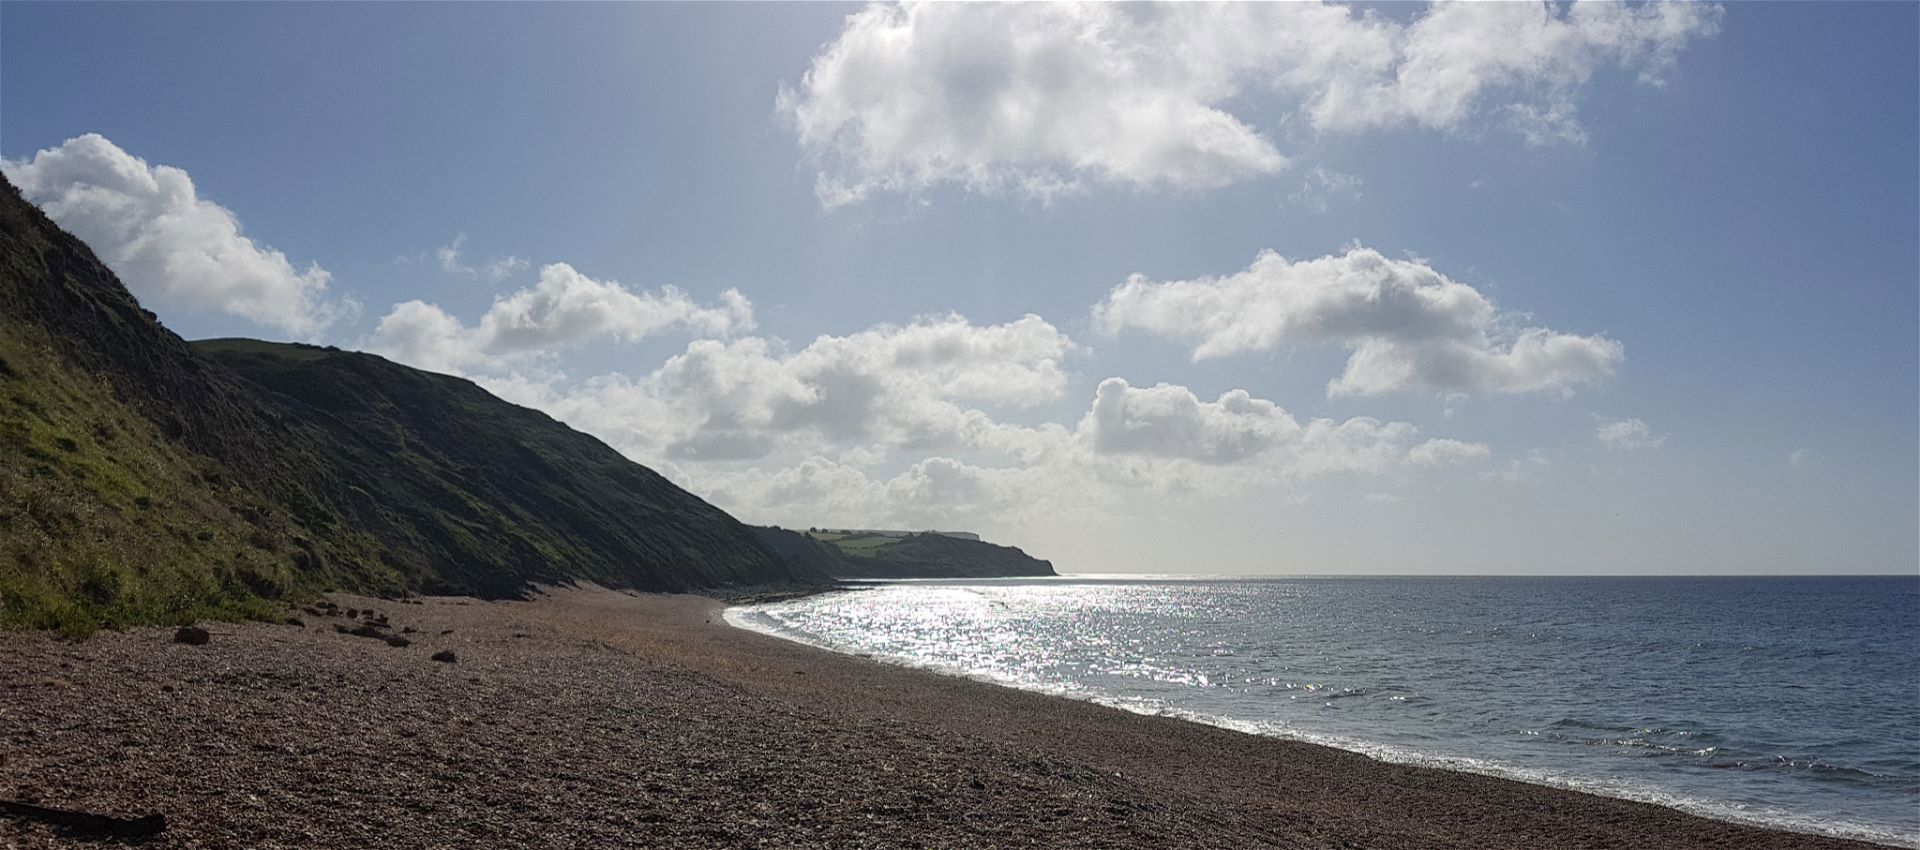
(1708, 215)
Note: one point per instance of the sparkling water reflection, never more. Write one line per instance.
(1785, 701)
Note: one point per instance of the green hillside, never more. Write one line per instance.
(108, 514)
(145, 480)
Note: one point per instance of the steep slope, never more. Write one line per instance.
(108, 514)
(142, 481)
(489, 495)
(918, 556)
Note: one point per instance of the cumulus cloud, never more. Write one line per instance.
(891, 385)
(564, 308)
(1628, 434)
(1169, 422)
(1041, 98)
(170, 246)
(1410, 328)
(453, 262)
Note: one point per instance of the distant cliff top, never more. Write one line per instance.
(847, 553)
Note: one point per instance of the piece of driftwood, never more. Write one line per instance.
(86, 822)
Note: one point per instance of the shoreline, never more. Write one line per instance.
(1380, 752)
(595, 718)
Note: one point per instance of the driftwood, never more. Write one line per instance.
(85, 822)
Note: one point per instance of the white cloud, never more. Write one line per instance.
(1519, 469)
(889, 386)
(1628, 434)
(1799, 457)
(169, 245)
(1533, 56)
(494, 270)
(564, 308)
(1410, 328)
(1042, 98)
(1445, 452)
(1169, 422)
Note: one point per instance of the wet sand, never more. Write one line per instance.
(598, 719)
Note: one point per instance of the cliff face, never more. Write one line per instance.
(918, 556)
(143, 479)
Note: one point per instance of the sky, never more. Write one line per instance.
(1297, 288)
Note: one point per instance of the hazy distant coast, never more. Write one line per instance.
(610, 720)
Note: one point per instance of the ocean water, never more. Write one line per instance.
(1792, 702)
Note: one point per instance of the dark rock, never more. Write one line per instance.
(296, 621)
(396, 640)
(192, 636)
(445, 656)
(87, 822)
(367, 630)
(408, 630)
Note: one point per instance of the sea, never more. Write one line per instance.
(1791, 702)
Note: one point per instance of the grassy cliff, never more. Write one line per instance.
(144, 480)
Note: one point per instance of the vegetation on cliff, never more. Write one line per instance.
(146, 480)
